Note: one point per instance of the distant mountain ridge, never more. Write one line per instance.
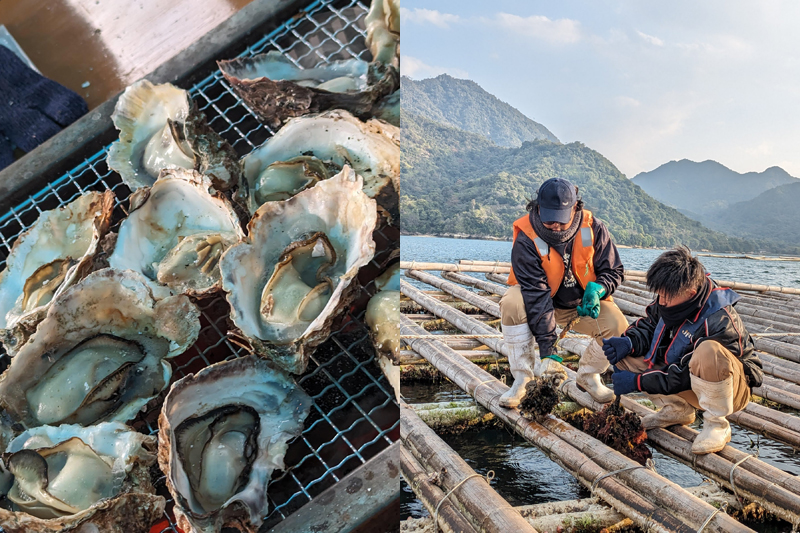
(706, 187)
(465, 105)
(773, 214)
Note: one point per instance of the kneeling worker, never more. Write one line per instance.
(690, 351)
(563, 265)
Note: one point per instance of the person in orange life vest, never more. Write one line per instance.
(563, 265)
(691, 350)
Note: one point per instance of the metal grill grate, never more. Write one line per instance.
(354, 415)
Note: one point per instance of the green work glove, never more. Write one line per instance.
(591, 300)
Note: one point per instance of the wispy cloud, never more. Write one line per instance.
(561, 31)
(418, 69)
(655, 41)
(428, 16)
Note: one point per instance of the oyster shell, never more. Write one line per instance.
(295, 270)
(337, 138)
(383, 319)
(222, 432)
(275, 89)
(52, 255)
(383, 31)
(161, 127)
(99, 354)
(81, 479)
(176, 232)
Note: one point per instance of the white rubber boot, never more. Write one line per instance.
(593, 363)
(521, 361)
(674, 411)
(716, 398)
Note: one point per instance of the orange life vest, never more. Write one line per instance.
(552, 262)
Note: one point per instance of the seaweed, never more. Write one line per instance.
(615, 427)
(541, 397)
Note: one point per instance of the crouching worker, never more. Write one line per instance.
(563, 265)
(690, 351)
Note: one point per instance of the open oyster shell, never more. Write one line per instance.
(71, 478)
(176, 232)
(52, 255)
(383, 31)
(161, 127)
(275, 89)
(222, 432)
(383, 319)
(336, 138)
(99, 354)
(295, 271)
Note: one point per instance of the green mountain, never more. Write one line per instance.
(699, 189)
(772, 214)
(465, 105)
(454, 182)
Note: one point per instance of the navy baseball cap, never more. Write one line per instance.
(557, 197)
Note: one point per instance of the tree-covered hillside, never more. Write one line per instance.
(456, 183)
(772, 215)
(465, 105)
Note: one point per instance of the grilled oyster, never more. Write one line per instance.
(383, 319)
(337, 138)
(70, 478)
(176, 232)
(161, 127)
(52, 255)
(295, 270)
(222, 432)
(275, 89)
(383, 31)
(99, 354)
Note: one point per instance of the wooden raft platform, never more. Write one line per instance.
(461, 334)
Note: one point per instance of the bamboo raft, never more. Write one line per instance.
(461, 340)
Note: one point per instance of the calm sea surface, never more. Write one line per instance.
(439, 250)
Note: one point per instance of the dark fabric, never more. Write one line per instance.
(674, 315)
(555, 237)
(624, 382)
(532, 280)
(724, 326)
(616, 348)
(32, 107)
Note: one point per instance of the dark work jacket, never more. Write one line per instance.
(539, 305)
(669, 350)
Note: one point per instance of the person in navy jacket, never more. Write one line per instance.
(691, 350)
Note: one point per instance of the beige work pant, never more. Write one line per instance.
(710, 362)
(610, 323)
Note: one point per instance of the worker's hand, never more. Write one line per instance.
(590, 306)
(550, 366)
(624, 382)
(617, 348)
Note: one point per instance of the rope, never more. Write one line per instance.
(740, 461)
(440, 337)
(489, 478)
(650, 465)
(722, 507)
(475, 390)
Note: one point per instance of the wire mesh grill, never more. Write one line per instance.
(354, 414)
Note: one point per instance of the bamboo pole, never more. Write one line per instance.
(450, 520)
(770, 415)
(640, 275)
(487, 286)
(487, 390)
(410, 357)
(471, 494)
(467, 295)
(499, 278)
(449, 267)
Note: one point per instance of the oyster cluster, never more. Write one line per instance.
(94, 319)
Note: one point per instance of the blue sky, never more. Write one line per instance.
(641, 82)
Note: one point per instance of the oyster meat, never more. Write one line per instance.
(160, 127)
(383, 31)
(222, 432)
(337, 138)
(57, 251)
(383, 319)
(100, 353)
(295, 271)
(71, 478)
(176, 232)
(276, 89)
